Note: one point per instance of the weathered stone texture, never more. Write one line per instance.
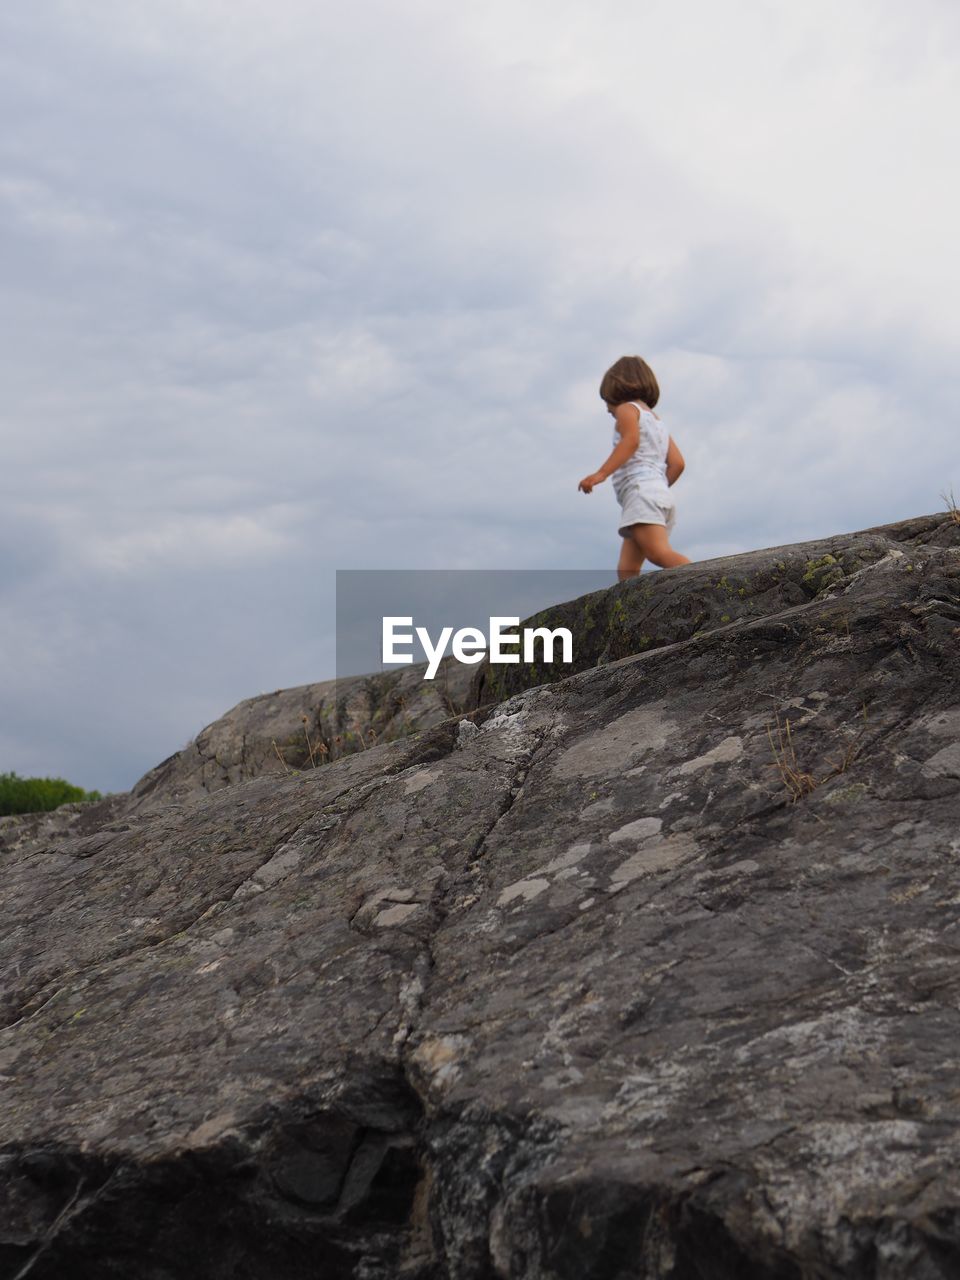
(584, 992)
(311, 724)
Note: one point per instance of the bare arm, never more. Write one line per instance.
(675, 462)
(628, 424)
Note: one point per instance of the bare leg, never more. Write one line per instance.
(631, 561)
(652, 542)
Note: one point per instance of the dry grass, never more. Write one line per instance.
(798, 781)
(401, 708)
(953, 511)
(318, 754)
(442, 690)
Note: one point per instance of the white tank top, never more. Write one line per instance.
(649, 462)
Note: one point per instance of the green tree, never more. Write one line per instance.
(38, 795)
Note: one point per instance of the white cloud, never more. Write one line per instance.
(291, 288)
(190, 543)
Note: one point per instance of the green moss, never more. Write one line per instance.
(815, 567)
(822, 574)
(724, 617)
(618, 614)
(618, 630)
(847, 795)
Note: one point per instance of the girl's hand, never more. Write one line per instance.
(587, 483)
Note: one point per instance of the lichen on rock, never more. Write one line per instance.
(582, 990)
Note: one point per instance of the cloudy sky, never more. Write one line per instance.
(292, 287)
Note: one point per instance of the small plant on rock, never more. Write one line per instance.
(953, 511)
(799, 782)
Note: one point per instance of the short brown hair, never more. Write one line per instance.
(630, 378)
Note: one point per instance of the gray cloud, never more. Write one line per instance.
(289, 291)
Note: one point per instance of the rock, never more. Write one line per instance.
(658, 609)
(83, 817)
(308, 726)
(634, 981)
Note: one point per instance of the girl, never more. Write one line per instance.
(644, 463)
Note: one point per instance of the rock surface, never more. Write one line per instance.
(659, 609)
(627, 981)
(308, 725)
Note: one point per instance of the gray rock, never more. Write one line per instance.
(306, 727)
(632, 982)
(658, 609)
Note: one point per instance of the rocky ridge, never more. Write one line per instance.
(622, 977)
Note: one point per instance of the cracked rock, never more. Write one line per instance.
(623, 984)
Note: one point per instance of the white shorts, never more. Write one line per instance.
(646, 504)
